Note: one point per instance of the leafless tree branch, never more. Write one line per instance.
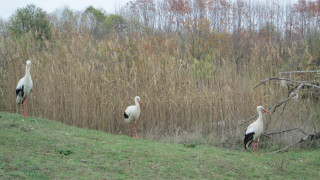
(288, 130)
(284, 79)
(288, 147)
(274, 78)
(308, 137)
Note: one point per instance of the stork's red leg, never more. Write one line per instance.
(24, 108)
(130, 130)
(254, 147)
(134, 126)
(258, 148)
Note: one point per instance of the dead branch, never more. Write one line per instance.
(267, 136)
(274, 78)
(284, 79)
(244, 122)
(288, 147)
(288, 130)
(282, 102)
(308, 137)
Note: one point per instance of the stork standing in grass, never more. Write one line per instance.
(24, 88)
(254, 131)
(132, 113)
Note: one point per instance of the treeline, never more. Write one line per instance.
(193, 63)
(291, 19)
(196, 21)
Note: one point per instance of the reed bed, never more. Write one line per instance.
(86, 82)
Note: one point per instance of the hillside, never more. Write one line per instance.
(36, 148)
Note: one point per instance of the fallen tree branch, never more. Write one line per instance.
(284, 79)
(244, 122)
(265, 135)
(274, 78)
(288, 147)
(288, 130)
(308, 137)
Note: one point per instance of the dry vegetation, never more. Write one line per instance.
(88, 83)
(192, 90)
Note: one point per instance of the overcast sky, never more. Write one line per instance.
(8, 7)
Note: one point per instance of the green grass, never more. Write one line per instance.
(35, 148)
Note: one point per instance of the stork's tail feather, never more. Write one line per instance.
(248, 139)
(19, 94)
(19, 100)
(125, 115)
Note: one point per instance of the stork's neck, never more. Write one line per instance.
(28, 71)
(260, 116)
(137, 103)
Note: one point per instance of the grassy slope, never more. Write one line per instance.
(33, 148)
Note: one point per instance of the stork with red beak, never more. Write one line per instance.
(254, 131)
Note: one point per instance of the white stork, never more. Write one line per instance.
(132, 113)
(254, 131)
(24, 88)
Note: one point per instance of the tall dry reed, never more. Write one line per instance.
(86, 82)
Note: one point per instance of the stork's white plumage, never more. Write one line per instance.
(24, 88)
(254, 131)
(132, 113)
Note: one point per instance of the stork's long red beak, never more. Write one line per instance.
(266, 111)
(140, 102)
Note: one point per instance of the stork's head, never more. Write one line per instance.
(262, 109)
(28, 64)
(137, 99)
